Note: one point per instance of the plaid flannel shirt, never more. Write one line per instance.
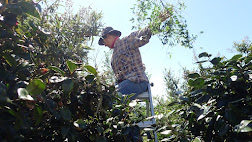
(126, 59)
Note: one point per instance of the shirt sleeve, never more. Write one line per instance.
(139, 38)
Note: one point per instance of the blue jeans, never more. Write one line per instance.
(128, 87)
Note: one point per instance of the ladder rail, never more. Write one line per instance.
(149, 107)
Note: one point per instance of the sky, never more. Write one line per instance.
(222, 23)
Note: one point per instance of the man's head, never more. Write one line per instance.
(108, 36)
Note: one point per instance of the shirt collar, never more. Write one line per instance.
(112, 46)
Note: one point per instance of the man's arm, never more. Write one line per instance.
(141, 37)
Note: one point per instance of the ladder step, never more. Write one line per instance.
(145, 124)
(144, 95)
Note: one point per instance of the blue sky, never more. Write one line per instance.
(223, 22)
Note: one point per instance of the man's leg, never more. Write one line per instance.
(128, 87)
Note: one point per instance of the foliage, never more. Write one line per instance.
(172, 31)
(219, 100)
(215, 105)
(47, 92)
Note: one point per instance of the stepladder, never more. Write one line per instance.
(149, 122)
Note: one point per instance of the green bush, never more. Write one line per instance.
(220, 99)
(47, 91)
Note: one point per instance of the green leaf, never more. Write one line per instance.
(197, 140)
(248, 59)
(166, 132)
(244, 126)
(193, 75)
(2, 89)
(215, 60)
(29, 8)
(101, 139)
(71, 66)
(236, 57)
(91, 69)
(36, 87)
(90, 78)
(223, 130)
(23, 94)
(204, 54)
(56, 69)
(199, 62)
(66, 114)
(197, 83)
(38, 113)
(80, 124)
(22, 66)
(10, 60)
(68, 85)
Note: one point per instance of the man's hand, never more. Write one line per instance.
(164, 15)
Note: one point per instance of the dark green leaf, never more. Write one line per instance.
(193, 75)
(23, 94)
(90, 78)
(204, 54)
(223, 130)
(23, 66)
(91, 69)
(71, 66)
(56, 69)
(215, 60)
(29, 8)
(37, 113)
(101, 139)
(66, 114)
(68, 85)
(236, 57)
(126, 130)
(36, 87)
(248, 59)
(10, 60)
(199, 62)
(203, 99)
(2, 89)
(80, 124)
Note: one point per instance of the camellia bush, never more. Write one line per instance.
(47, 91)
(216, 106)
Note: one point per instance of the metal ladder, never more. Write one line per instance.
(150, 110)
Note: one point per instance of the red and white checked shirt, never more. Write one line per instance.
(126, 58)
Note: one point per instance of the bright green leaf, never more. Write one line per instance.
(198, 83)
(23, 94)
(197, 140)
(244, 126)
(71, 66)
(166, 132)
(91, 69)
(56, 69)
(36, 87)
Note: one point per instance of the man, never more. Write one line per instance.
(126, 59)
